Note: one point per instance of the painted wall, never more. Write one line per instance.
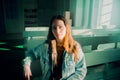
(82, 11)
(13, 16)
(48, 8)
(2, 25)
(116, 13)
(14, 13)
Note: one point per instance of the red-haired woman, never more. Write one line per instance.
(61, 57)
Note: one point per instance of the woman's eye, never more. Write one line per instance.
(60, 27)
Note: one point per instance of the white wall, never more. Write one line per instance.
(116, 13)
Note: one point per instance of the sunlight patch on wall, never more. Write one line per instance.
(106, 12)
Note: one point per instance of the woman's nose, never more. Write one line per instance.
(57, 30)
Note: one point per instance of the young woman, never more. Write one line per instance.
(61, 57)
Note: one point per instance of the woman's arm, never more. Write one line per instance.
(30, 56)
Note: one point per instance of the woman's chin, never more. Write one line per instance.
(59, 40)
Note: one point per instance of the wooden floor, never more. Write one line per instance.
(100, 72)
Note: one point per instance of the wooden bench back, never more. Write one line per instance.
(94, 56)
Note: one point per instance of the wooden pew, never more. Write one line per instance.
(102, 56)
(96, 55)
(94, 42)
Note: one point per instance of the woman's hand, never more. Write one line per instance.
(27, 71)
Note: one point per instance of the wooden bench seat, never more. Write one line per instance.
(98, 50)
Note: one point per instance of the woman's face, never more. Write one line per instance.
(58, 30)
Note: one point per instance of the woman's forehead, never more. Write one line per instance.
(58, 22)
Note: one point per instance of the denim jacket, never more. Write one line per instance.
(71, 70)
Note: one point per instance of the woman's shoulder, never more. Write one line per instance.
(80, 51)
(76, 43)
(40, 46)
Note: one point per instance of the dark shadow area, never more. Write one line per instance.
(11, 60)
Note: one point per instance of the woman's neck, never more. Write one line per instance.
(59, 44)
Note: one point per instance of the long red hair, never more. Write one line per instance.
(69, 45)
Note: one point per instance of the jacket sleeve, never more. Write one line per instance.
(80, 68)
(30, 56)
